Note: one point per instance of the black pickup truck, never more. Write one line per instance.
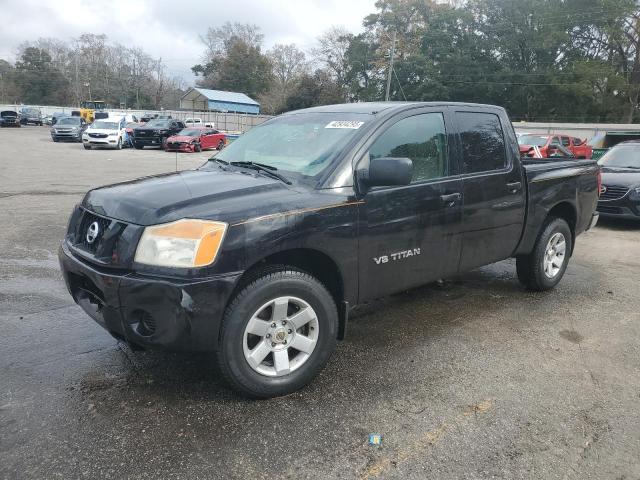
(155, 132)
(260, 254)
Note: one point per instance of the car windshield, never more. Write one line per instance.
(534, 140)
(622, 156)
(304, 143)
(69, 121)
(105, 125)
(190, 132)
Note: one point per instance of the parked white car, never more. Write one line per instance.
(109, 132)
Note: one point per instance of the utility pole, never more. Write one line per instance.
(393, 47)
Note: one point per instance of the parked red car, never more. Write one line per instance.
(195, 139)
(547, 144)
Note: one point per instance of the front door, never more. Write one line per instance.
(409, 234)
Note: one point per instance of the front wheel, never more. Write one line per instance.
(277, 334)
(138, 147)
(220, 145)
(119, 145)
(87, 147)
(544, 267)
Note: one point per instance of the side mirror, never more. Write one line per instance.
(387, 171)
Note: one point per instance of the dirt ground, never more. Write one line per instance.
(474, 378)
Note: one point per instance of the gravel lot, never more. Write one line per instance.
(475, 378)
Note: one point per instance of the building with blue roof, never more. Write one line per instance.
(218, 100)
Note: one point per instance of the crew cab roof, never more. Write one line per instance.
(377, 107)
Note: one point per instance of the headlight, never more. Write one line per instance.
(183, 244)
(635, 193)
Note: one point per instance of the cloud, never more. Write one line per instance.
(171, 29)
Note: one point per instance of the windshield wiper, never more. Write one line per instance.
(261, 167)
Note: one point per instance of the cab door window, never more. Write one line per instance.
(482, 140)
(421, 138)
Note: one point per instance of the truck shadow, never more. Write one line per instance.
(618, 224)
(403, 321)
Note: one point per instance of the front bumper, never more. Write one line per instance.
(186, 147)
(101, 142)
(148, 141)
(170, 314)
(74, 137)
(623, 208)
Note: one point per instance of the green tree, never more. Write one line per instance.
(38, 80)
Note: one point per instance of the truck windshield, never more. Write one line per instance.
(304, 143)
(105, 125)
(622, 156)
(533, 140)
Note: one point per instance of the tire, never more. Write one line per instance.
(544, 267)
(119, 145)
(220, 145)
(87, 147)
(299, 291)
(54, 139)
(138, 147)
(197, 147)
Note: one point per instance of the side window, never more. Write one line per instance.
(566, 142)
(422, 138)
(555, 141)
(482, 140)
(577, 141)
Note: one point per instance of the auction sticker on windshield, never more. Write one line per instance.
(344, 124)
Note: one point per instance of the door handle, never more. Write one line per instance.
(450, 199)
(514, 187)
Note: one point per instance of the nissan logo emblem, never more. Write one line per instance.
(603, 189)
(92, 232)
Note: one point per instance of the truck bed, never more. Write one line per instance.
(569, 184)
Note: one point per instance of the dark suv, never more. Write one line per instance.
(156, 132)
(68, 128)
(30, 115)
(9, 118)
(620, 191)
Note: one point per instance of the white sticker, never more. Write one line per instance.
(344, 124)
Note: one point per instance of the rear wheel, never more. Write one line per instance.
(544, 267)
(277, 334)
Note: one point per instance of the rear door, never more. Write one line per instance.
(409, 235)
(493, 187)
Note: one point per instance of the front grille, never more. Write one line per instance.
(613, 193)
(82, 239)
(610, 210)
(98, 135)
(175, 144)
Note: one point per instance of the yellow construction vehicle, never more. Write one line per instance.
(89, 108)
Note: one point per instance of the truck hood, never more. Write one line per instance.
(622, 177)
(206, 193)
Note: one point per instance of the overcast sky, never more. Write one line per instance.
(170, 29)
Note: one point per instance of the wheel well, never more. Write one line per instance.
(314, 262)
(567, 212)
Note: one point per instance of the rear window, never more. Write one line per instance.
(482, 140)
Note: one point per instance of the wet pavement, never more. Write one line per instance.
(473, 378)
